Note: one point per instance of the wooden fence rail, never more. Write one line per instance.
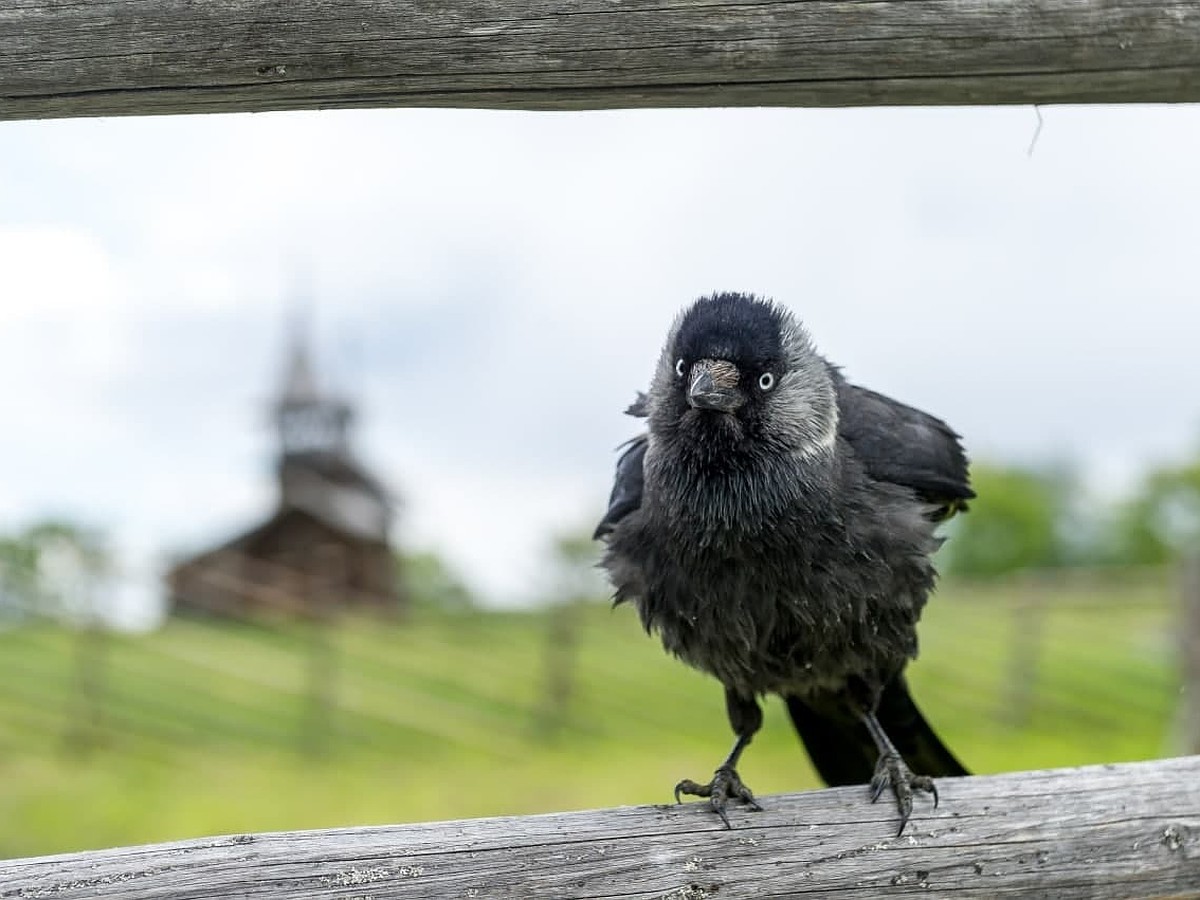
(130, 57)
(1118, 831)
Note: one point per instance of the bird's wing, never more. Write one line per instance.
(626, 494)
(640, 407)
(902, 445)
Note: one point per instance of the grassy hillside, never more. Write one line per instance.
(209, 728)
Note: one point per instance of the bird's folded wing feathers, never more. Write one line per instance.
(627, 485)
(902, 445)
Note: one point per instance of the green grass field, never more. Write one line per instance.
(208, 728)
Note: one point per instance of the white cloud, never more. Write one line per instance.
(64, 330)
(50, 270)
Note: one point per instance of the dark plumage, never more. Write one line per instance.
(774, 526)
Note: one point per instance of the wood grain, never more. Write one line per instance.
(132, 57)
(1121, 831)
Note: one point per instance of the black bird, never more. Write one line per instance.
(774, 526)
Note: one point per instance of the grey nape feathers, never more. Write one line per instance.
(774, 527)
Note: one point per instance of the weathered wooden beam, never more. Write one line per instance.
(1120, 831)
(133, 57)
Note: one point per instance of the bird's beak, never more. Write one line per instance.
(714, 386)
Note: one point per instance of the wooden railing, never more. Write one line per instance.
(1099, 832)
(126, 57)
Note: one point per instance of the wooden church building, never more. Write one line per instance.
(326, 545)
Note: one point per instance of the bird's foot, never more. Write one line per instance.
(892, 770)
(725, 785)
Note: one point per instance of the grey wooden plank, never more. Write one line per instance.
(121, 57)
(1119, 831)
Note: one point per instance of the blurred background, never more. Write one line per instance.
(308, 419)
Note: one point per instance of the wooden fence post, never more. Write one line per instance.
(1028, 624)
(561, 659)
(322, 600)
(1189, 653)
(85, 715)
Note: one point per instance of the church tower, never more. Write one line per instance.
(318, 473)
(307, 421)
(329, 509)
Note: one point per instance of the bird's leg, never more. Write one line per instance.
(892, 770)
(746, 718)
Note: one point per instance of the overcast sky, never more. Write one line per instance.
(493, 287)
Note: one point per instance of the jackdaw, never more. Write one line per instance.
(774, 526)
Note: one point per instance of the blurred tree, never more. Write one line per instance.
(1019, 521)
(57, 569)
(1161, 521)
(432, 583)
(18, 577)
(53, 568)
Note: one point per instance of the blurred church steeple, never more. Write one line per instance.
(307, 419)
(329, 507)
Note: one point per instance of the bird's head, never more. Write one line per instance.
(739, 369)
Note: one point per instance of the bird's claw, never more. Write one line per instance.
(892, 770)
(725, 784)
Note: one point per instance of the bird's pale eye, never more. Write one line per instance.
(766, 381)
(679, 367)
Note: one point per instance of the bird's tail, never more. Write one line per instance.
(841, 748)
